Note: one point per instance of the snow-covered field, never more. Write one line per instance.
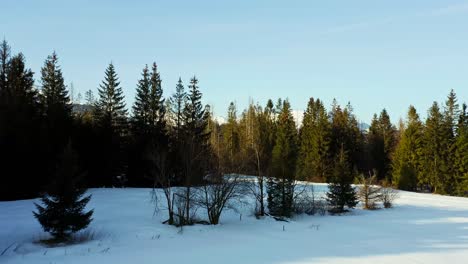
(422, 228)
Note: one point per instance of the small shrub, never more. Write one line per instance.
(387, 196)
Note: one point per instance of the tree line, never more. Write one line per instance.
(175, 139)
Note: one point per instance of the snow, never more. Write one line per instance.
(422, 228)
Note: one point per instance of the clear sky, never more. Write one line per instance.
(376, 54)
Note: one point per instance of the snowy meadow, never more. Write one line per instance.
(421, 228)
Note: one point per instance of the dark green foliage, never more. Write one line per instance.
(461, 153)
(57, 109)
(63, 209)
(340, 192)
(345, 133)
(280, 186)
(382, 142)
(314, 143)
(148, 126)
(408, 156)
(21, 132)
(110, 117)
(435, 152)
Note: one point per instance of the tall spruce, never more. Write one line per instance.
(21, 133)
(284, 155)
(314, 143)
(436, 151)
(451, 116)
(57, 109)
(110, 115)
(231, 140)
(461, 153)
(406, 165)
(382, 142)
(193, 146)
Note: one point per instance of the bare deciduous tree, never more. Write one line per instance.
(369, 193)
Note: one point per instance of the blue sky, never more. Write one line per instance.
(376, 54)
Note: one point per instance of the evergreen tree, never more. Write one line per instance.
(63, 210)
(435, 152)
(451, 116)
(21, 140)
(382, 142)
(178, 101)
(110, 115)
(314, 143)
(141, 107)
(231, 140)
(340, 192)
(461, 153)
(57, 110)
(408, 154)
(193, 146)
(345, 133)
(281, 185)
(4, 64)
(110, 109)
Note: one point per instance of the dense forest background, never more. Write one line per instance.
(178, 137)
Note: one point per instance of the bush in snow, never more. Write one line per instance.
(387, 196)
(63, 211)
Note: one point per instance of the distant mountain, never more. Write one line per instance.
(364, 126)
(81, 108)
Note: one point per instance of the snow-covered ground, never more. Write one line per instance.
(422, 228)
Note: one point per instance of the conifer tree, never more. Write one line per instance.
(63, 210)
(110, 111)
(21, 139)
(435, 152)
(340, 192)
(4, 64)
(314, 143)
(57, 109)
(193, 146)
(461, 153)
(141, 107)
(408, 156)
(231, 139)
(110, 115)
(178, 101)
(382, 142)
(451, 116)
(281, 185)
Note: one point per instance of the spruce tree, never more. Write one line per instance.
(406, 165)
(314, 143)
(21, 140)
(63, 210)
(435, 152)
(461, 153)
(4, 64)
(141, 107)
(340, 192)
(382, 142)
(281, 185)
(110, 115)
(57, 107)
(231, 139)
(193, 145)
(451, 116)
(177, 102)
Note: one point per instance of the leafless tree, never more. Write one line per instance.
(388, 196)
(369, 193)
